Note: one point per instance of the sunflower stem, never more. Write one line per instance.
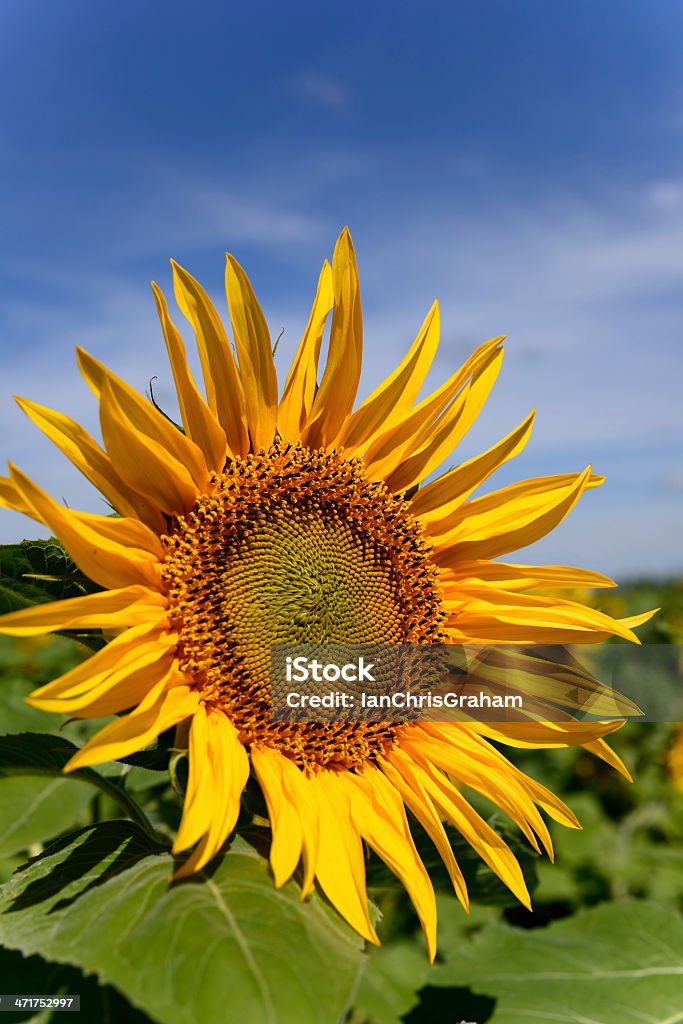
(125, 802)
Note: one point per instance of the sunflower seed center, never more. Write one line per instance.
(295, 546)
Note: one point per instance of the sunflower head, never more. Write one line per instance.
(292, 517)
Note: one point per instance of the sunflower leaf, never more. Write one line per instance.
(35, 753)
(391, 982)
(618, 963)
(36, 571)
(43, 754)
(155, 759)
(223, 945)
(33, 974)
(33, 810)
(91, 638)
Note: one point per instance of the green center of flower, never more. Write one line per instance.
(295, 547)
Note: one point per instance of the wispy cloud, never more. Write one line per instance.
(671, 485)
(322, 89)
(588, 290)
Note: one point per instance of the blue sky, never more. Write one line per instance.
(523, 161)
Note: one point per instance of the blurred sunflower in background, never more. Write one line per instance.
(294, 518)
(675, 752)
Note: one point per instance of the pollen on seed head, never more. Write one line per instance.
(295, 546)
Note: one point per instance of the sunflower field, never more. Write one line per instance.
(171, 852)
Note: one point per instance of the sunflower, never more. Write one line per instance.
(295, 518)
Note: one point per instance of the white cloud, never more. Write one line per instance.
(322, 89)
(598, 293)
(244, 219)
(665, 195)
(589, 291)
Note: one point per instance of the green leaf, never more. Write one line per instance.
(35, 753)
(35, 810)
(154, 759)
(398, 984)
(16, 715)
(619, 963)
(390, 984)
(42, 754)
(92, 638)
(25, 665)
(35, 976)
(225, 945)
(36, 571)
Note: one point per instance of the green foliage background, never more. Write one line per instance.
(86, 906)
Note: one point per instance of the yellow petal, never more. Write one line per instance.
(109, 609)
(284, 816)
(123, 531)
(143, 462)
(378, 813)
(254, 354)
(198, 808)
(341, 869)
(12, 499)
(511, 577)
(234, 763)
(492, 616)
(334, 399)
(198, 420)
(154, 427)
(394, 397)
(220, 793)
(547, 734)
(92, 370)
(436, 500)
(419, 802)
(674, 758)
(510, 518)
(631, 621)
(551, 804)
(301, 793)
(101, 547)
(113, 697)
(105, 666)
(445, 435)
(80, 448)
(224, 390)
(488, 844)
(168, 703)
(415, 429)
(299, 391)
(140, 666)
(469, 760)
(127, 413)
(600, 749)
